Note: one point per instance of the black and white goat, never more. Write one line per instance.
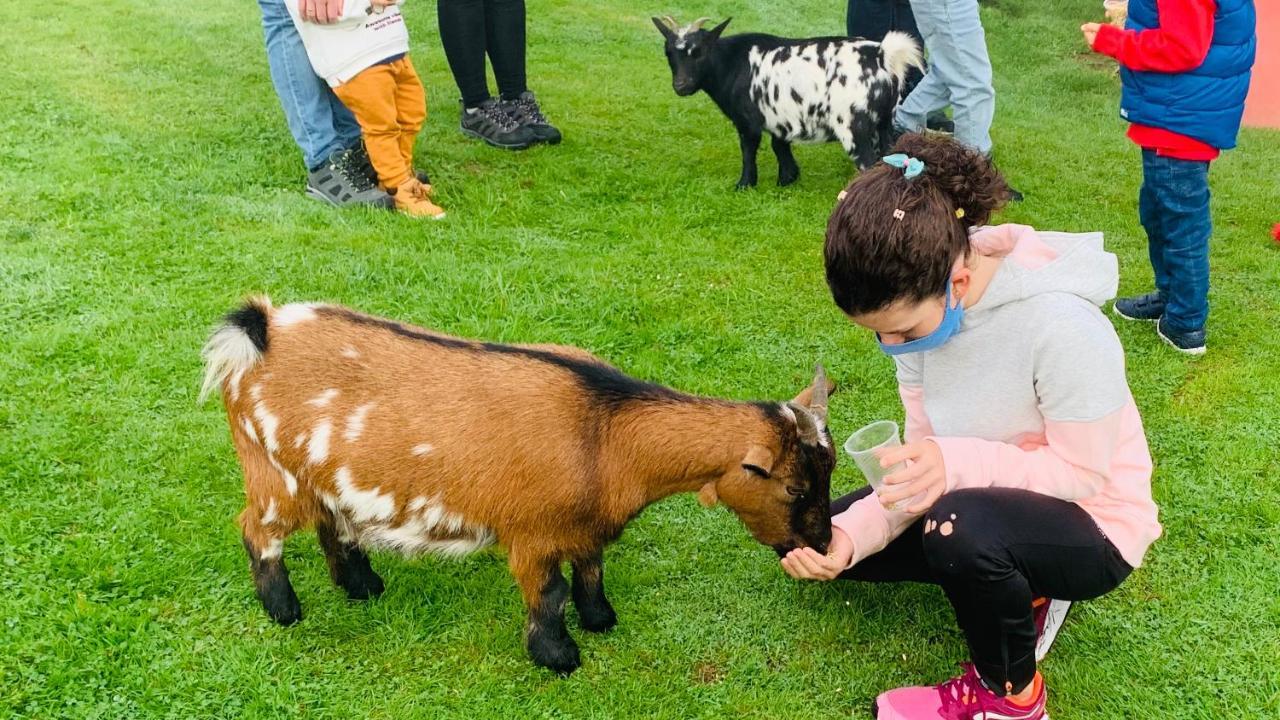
(808, 91)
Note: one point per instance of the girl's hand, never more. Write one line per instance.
(806, 564)
(1090, 31)
(925, 477)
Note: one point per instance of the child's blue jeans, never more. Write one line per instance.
(319, 122)
(1174, 209)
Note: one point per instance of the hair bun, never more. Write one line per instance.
(966, 176)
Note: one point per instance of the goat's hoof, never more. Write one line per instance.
(597, 619)
(742, 185)
(286, 612)
(364, 587)
(561, 658)
(787, 178)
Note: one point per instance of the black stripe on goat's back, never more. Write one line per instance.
(252, 319)
(605, 383)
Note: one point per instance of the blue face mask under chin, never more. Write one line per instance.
(950, 325)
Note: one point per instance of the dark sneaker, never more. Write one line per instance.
(525, 110)
(1147, 307)
(362, 155)
(489, 122)
(342, 182)
(1191, 342)
(1049, 615)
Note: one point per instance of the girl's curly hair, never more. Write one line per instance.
(891, 238)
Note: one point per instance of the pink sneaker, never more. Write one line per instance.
(962, 698)
(1049, 615)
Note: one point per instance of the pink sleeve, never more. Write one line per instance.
(1073, 465)
(917, 425)
(871, 526)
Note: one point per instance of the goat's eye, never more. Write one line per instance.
(795, 491)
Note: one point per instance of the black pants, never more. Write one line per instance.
(469, 29)
(992, 551)
(872, 19)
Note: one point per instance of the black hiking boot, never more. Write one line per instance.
(342, 181)
(524, 109)
(489, 122)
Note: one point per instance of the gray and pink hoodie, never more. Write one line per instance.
(1030, 394)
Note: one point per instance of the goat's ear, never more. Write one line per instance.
(759, 461)
(715, 31)
(808, 426)
(663, 28)
(708, 495)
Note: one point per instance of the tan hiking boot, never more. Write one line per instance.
(411, 199)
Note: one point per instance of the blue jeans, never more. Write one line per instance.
(319, 122)
(959, 72)
(1173, 206)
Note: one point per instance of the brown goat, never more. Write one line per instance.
(385, 435)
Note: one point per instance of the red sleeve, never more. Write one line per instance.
(1178, 45)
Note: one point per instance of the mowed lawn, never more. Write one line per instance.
(148, 182)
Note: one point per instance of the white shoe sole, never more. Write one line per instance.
(1055, 617)
(1195, 352)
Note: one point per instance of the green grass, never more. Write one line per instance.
(147, 182)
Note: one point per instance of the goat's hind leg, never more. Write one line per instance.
(594, 610)
(348, 564)
(788, 170)
(545, 594)
(264, 541)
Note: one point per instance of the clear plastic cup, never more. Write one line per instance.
(863, 445)
(1116, 11)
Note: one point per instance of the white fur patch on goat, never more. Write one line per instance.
(324, 398)
(355, 422)
(300, 440)
(272, 550)
(247, 424)
(269, 423)
(350, 353)
(227, 355)
(290, 481)
(417, 504)
(255, 391)
(318, 446)
(270, 515)
(293, 314)
(364, 505)
(422, 449)
(428, 527)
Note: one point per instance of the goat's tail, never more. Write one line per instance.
(237, 345)
(900, 52)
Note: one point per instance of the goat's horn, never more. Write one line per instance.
(807, 426)
(697, 24)
(818, 403)
(670, 22)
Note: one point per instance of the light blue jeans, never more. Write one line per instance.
(959, 72)
(319, 122)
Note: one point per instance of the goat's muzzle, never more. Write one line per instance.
(684, 89)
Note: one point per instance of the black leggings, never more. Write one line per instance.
(469, 28)
(992, 551)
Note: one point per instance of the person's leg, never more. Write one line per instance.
(1151, 217)
(320, 125)
(371, 95)
(930, 93)
(504, 27)
(958, 59)
(992, 550)
(411, 106)
(1182, 198)
(869, 19)
(462, 32)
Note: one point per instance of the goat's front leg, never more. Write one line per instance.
(545, 594)
(788, 170)
(594, 610)
(749, 141)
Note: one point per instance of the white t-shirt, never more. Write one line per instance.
(360, 38)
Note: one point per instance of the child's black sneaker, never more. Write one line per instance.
(1191, 342)
(524, 109)
(490, 122)
(1149, 307)
(362, 157)
(342, 182)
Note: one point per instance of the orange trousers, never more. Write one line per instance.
(390, 105)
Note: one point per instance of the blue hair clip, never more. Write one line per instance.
(911, 167)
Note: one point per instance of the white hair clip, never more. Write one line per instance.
(898, 214)
(843, 194)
